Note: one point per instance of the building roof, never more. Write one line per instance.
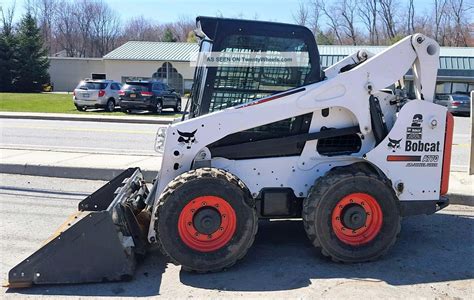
(450, 57)
(153, 51)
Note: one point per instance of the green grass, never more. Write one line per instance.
(55, 103)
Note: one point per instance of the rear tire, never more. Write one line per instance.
(199, 244)
(352, 215)
(80, 108)
(178, 105)
(110, 106)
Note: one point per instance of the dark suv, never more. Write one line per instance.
(150, 95)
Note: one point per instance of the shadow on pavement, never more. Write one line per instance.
(430, 249)
(433, 248)
(145, 283)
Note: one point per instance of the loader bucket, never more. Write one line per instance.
(98, 243)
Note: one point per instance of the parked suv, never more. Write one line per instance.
(153, 96)
(97, 94)
(456, 103)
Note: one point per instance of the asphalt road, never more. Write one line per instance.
(94, 137)
(102, 137)
(434, 257)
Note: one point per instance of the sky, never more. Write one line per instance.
(165, 11)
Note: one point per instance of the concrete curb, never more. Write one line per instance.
(54, 117)
(69, 172)
(455, 198)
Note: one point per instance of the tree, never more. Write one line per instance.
(347, 9)
(439, 11)
(8, 50)
(33, 62)
(388, 15)
(411, 17)
(168, 36)
(302, 14)
(368, 15)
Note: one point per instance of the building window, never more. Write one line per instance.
(459, 87)
(169, 75)
(443, 88)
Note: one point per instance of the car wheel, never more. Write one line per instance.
(124, 110)
(110, 106)
(178, 105)
(80, 108)
(158, 107)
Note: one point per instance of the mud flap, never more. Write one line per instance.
(99, 243)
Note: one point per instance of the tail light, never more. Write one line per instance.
(121, 93)
(448, 143)
(101, 93)
(146, 94)
(456, 102)
(74, 93)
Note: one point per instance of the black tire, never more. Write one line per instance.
(125, 110)
(158, 108)
(110, 106)
(328, 191)
(80, 108)
(181, 192)
(178, 105)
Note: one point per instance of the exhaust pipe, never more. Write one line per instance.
(98, 243)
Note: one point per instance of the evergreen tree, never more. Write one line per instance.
(8, 59)
(168, 36)
(33, 62)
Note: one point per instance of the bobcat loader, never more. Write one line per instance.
(332, 147)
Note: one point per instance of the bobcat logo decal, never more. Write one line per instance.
(417, 120)
(187, 138)
(393, 144)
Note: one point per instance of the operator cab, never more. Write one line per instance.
(227, 86)
(230, 86)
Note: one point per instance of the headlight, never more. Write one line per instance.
(160, 139)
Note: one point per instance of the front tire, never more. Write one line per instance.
(158, 107)
(352, 215)
(206, 220)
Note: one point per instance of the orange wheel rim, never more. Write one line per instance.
(207, 223)
(357, 219)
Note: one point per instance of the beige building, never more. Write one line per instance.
(167, 62)
(170, 63)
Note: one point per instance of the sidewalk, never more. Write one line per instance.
(94, 166)
(163, 120)
(98, 166)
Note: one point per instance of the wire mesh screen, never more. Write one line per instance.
(237, 85)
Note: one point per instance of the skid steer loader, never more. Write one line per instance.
(332, 147)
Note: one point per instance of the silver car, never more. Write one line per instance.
(97, 94)
(456, 103)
